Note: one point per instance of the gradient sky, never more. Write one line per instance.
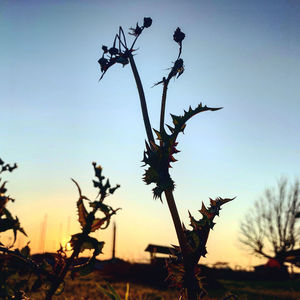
(56, 118)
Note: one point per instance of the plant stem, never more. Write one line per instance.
(168, 193)
(85, 232)
(62, 275)
(163, 104)
(142, 99)
(36, 268)
(177, 224)
(191, 283)
(189, 265)
(186, 253)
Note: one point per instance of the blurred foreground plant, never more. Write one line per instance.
(50, 274)
(89, 223)
(158, 157)
(16, 263)
(8, 222)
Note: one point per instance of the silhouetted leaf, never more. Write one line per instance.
(136, 31)
(82, 213)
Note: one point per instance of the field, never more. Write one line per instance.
(88, 288)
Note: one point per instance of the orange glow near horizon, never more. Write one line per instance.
(221, 246)
(133, 251)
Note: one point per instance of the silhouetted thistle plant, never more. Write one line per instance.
(52, 274)
(89, 223)
(158, 157)
(7, 222)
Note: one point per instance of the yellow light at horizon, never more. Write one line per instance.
(68, 246)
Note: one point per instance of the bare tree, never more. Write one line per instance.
(270, 229)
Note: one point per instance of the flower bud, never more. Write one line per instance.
(103, 62)
(178, 36)
(104, 48)
(147, 22)
(113, 51)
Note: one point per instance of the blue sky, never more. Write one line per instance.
(56, 118)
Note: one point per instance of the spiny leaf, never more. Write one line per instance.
(170, 128)
(3, 202)
(197, 237)
(212, 202)
(6, 224)
(112, 190)
(2, 188)
(158, 134)
(9, 223)
(82, 213)
(92, 244)
(205, 212)
(97, 223)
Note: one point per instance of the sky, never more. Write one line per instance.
(56, 118)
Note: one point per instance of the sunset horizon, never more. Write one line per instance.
(224, 74)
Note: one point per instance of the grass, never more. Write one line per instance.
(85, 288)
(261, 290)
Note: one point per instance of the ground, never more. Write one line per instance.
(88, 288)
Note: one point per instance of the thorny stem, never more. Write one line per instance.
(192, 294)
(187, 257)
(142, 99)
(192, 286)
(168, 193)
(189, 265)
